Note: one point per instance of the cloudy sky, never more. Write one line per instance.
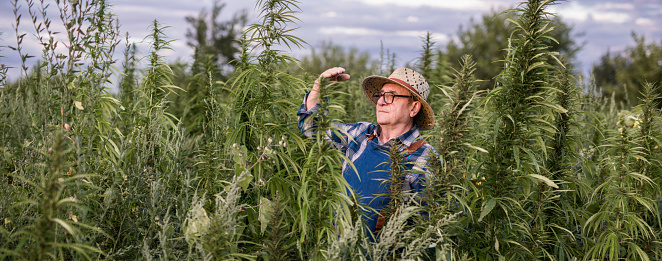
(366, 24)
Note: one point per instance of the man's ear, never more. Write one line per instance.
(416, 107)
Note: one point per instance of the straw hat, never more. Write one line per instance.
(414, 82)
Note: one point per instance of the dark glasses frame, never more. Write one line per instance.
(389, 97)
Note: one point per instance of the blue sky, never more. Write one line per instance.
(367, 24)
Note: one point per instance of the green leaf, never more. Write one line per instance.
(544, 179)
(535, 65)
(475, 147)
(487, 209)
(265, 213)
(248, 177)
(64, 225)
(556, 107)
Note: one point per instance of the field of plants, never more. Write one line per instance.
(543, 166)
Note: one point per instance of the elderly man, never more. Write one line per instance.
(402, 110)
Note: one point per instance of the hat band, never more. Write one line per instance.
(406, 85)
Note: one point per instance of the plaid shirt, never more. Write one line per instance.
(355, 136)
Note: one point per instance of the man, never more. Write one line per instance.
(402, 110)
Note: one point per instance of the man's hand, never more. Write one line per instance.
(336, 74)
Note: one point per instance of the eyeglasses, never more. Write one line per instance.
(388, 97)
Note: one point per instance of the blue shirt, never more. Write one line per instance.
(356, 143)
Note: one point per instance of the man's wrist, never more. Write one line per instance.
(317, 84)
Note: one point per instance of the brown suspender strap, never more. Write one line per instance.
(416, 145)
(381, 219)
(413, 147)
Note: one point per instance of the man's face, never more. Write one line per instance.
(398, 112)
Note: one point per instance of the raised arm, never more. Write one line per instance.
(332, 74)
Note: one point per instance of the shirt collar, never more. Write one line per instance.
(406, 138)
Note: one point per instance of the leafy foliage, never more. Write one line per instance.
(624, 74)
(539, 168)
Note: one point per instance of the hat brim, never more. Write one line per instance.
(425, 117)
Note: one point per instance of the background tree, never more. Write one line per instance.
(625, 74)
(329, 54)
(487, 41)
(213, 39)
(216, 48)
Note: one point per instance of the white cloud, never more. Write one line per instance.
(335, 30)
(153, 11)
(452, 4)
(571, 11)
(340, 30)
(580, 13)
(617, 6)
(331, 14)
(412, 19)
(611, 17)
(644, 22)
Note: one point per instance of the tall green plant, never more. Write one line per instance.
(322, 193)
(512, 168)
(436, 69)
(650, 167)
(257, 93)
(617, 225)
(450, 181)
(426, 61)
(154, 120)
(127, 87)
(561, 241)
(214, 130)
(137, 208)
(67, 92)
(455, 119)
(262, 99)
